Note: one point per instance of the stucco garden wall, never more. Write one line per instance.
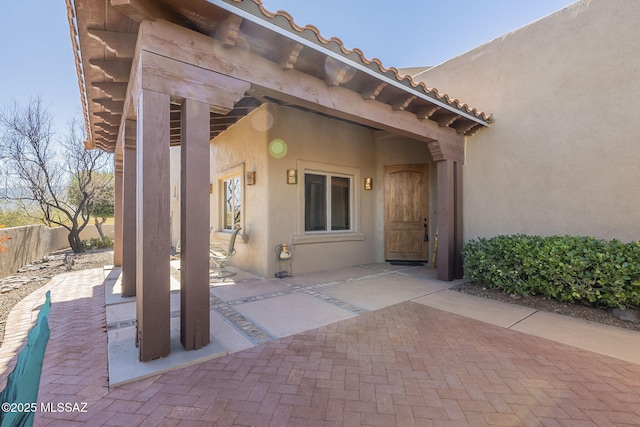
(33, 242)
(562, 156)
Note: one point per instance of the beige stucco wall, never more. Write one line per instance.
(562, 156)
(273, 209)
(243, 146)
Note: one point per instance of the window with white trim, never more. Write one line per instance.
(328, 201)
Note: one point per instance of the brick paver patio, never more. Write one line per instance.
(403, 365)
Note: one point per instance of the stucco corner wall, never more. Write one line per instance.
(244, 145)
(562, 155)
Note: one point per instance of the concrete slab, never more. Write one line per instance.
(233, 291)
(483, 309)
(121, 312)
(289, 314)
(596, 337)
(124, 366)
(113, 287)
(228, 336)
(383, 290)
(331, 276)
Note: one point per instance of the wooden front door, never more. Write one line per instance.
(406, 207)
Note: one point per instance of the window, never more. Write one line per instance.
(231, 202)
(327, 202)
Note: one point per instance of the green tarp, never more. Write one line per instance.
(19, 398)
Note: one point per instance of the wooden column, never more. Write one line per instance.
(458, 226)
(446, 220)
(153, 243)
(129, 217)
(117, 214)
(449, 157)
(194, 225)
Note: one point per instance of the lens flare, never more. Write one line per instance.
(262, 120)
(278, 148)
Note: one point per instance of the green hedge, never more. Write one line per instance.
(568, 268)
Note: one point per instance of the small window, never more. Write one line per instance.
(327, 201)
(232, 202)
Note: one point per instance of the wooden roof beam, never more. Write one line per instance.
(291, 57)
(426, 112)
(123, 45)
(111, 130)
(373, 92)
(464, 126)
(446, 120)
(401, 104)
(117, 71)
(229, 31)
(115, 91)
(267, 78)
(108, 117)
(143, 9)
(110, 105)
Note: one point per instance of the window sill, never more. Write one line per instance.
(327, 238)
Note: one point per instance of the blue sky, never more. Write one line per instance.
(37, 59)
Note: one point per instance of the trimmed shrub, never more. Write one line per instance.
(567, 268)
(97, 243)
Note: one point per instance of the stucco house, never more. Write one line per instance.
(223, 114)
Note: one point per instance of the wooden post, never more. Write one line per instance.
(117, 214)
(446, 220)
(153, 243)
(458, 233)
(194, 225)
(129, 218)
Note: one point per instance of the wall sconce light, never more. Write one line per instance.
(251, 178)
(292, 176)
(368, 183)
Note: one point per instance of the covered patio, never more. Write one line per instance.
(153, 75)
(412, 363)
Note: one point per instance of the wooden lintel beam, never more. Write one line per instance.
(118, 71)
(123, 45)
(229, 31)
(402, 104)
(373, 92)
(290, 57)
(191, 50)
(115, 91)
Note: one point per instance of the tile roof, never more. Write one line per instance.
(373, 64)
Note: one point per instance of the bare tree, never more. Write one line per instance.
(37, 169)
